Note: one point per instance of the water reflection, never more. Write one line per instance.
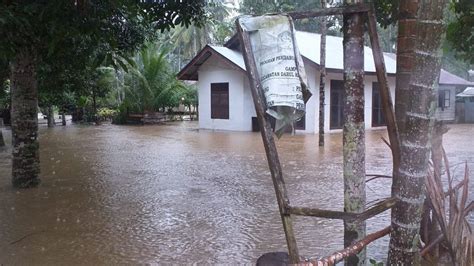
(173, 194)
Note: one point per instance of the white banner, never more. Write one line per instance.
(280, 67)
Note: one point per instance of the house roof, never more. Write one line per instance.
(233, 58)
(309, 46)
(468, 92)
(445, 78)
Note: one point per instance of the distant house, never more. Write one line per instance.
(225, 100)
(465, 106)
(449, 85)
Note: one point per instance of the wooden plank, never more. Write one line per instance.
(356, 8)
(387, 102)
(371, 212)
(269, 143)
(305, 211)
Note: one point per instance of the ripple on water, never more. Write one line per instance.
(174, 195)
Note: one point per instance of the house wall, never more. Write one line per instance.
(215, 71)
(312, 106)
(241, 108)
(368, 81)
(448, 113)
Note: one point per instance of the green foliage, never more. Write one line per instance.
(460, 31)
(68, 40)
(151, 85)
(190, 95)
(4, 95)
(120, 117)
(47, 26)
(183, 43)
(386, 12)
(256, 7)
(106, 114)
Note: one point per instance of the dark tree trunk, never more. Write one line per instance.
(63, 119)
(94, 107)
(354, 130)
(24, 93)
(2, 141)
(51, 122)
(415, 135)
(322, 77)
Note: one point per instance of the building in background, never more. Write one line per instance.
(225, 100)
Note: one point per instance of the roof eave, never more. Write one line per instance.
(184, 75)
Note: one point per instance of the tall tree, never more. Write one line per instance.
(322, 77)
(354, 129)
(34, 30)
(459, 32)
(423, 59)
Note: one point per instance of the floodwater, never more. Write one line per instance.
(175, 194)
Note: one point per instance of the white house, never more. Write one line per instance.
(225, 99)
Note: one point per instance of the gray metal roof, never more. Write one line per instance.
(468, 92)
(309, 46)
(447, 78)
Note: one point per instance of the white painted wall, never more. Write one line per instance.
(241, 108)
(368, 81)
(215, 71)
(312, 106)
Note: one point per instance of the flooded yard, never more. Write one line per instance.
(174, 194)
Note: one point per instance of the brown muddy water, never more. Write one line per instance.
(174, 194)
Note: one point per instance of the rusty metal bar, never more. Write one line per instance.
(356, 8)
(387, 103)
(269, 143)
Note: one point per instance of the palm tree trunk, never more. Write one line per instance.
(405, 56)
(415, 135)
(354, 130)
(322, 77)
(24, 93)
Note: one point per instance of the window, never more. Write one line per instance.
(220, 100)
(337, 104)
(378, 118)
(444, 98)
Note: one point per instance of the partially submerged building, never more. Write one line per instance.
(225, 99)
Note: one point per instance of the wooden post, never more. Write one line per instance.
(269, 143)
